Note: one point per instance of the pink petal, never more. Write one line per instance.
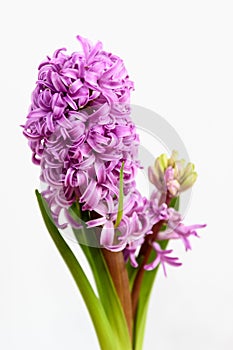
(96, 222)
(107, 234)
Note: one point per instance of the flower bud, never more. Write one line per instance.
(171, 175)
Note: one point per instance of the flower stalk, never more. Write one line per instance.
(116, 265)
(145, 252)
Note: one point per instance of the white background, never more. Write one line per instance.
(179, 53)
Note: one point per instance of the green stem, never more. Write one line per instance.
(144, 280)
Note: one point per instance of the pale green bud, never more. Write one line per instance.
(188, 181)
(163, 162)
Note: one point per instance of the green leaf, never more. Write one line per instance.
(105, 333)
(121, 198)
(145, 292)
(102, 277)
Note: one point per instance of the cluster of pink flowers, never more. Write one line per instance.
(80, 132)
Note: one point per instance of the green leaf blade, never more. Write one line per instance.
(107, 338)
(121, 197)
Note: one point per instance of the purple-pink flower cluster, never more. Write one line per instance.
(80, 131)
(68, 83)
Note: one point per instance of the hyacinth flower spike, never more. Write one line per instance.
(81, 133)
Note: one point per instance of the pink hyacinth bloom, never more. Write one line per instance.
(131, 250)
(80, 129)
(134, 225)
(80, 132)
(177, 230)
(158, 211)
(162, 257)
